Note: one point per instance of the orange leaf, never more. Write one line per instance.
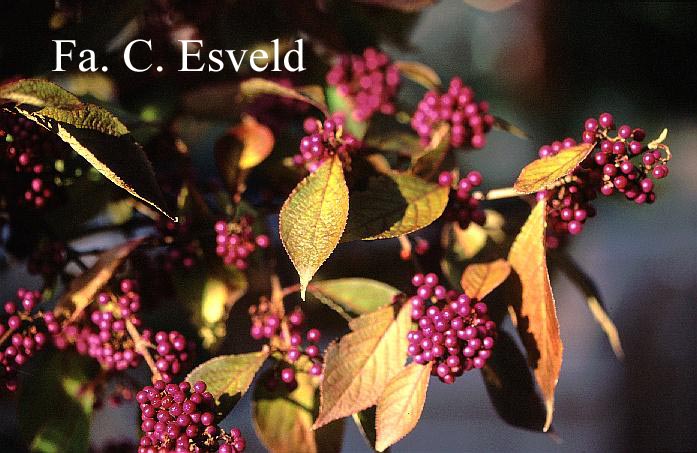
(537, 317)
(358, 367)
(544, 173)
(480, 279)
(258, 141)
(401, 404)
(84, 287)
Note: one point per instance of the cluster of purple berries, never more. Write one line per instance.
(172, 350)
(608, 169)
(27, 333)
(325, 139)
(29, 152)
(182, 250)
(180, 418)
(370, 80)
(295, 340)
(462, 207)
(469, 120)
(454, 331)
(235, 241)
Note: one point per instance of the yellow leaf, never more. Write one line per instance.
(313, 219)
(419, 73)
(401, 403)
(545, 173)
(257, 86)
(358, 367)
(537, 318)
(480, 279)
(84, 288)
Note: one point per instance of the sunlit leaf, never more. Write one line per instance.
(313, 219)
(355, 295)
(84, 288)
(427, 163)
(258, 141)
(221, 291)
(511, 387)
(420, 73)
(536, 316)
(400, 405)
(93, 132)
(480, 279)
(253, 87)
(544, 173)
(360, 365)
(394, 204)
(228, 376)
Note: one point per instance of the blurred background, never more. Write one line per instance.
(544, 66)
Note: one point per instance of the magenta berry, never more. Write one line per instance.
(469, 120)
(236, 241)
(180, 418)
(453, 331)
(370, 80)
(325, 140)
(463, 207)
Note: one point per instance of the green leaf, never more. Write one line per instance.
(253, 87)
(54, 409)
(511, 386)
(313, 219)
(228, 376)
(283, 420)
(360, 365)
(401, 403)
(355, 295)
(93, 132)
(392, 205)
(419, 73)
(339, 103)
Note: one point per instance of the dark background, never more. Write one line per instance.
(544, 66)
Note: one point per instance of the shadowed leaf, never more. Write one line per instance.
(480, 279)
(355, 295)
(253, 87)
(313, 219)
(500, 123)
(85, 287)
(536, 316)
(427, 163)
(511, 387)
(360, 365)
(365, 422)
(405, 6)
(419, 73)
(545, 173)
(401, 403)
(93, 132)
(228, 376)
(595, 303)
(392, 205)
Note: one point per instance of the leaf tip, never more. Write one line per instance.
(549, 406)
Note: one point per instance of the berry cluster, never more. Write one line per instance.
(462, 207)
(29, 152)
(608, 169)
(370, 80)
(27, 333)
(105, 336)
(325, 139)
(235, 241)
(180, 418)
(453, 331)
(469, 120)
(292, 339)
(182, 249)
